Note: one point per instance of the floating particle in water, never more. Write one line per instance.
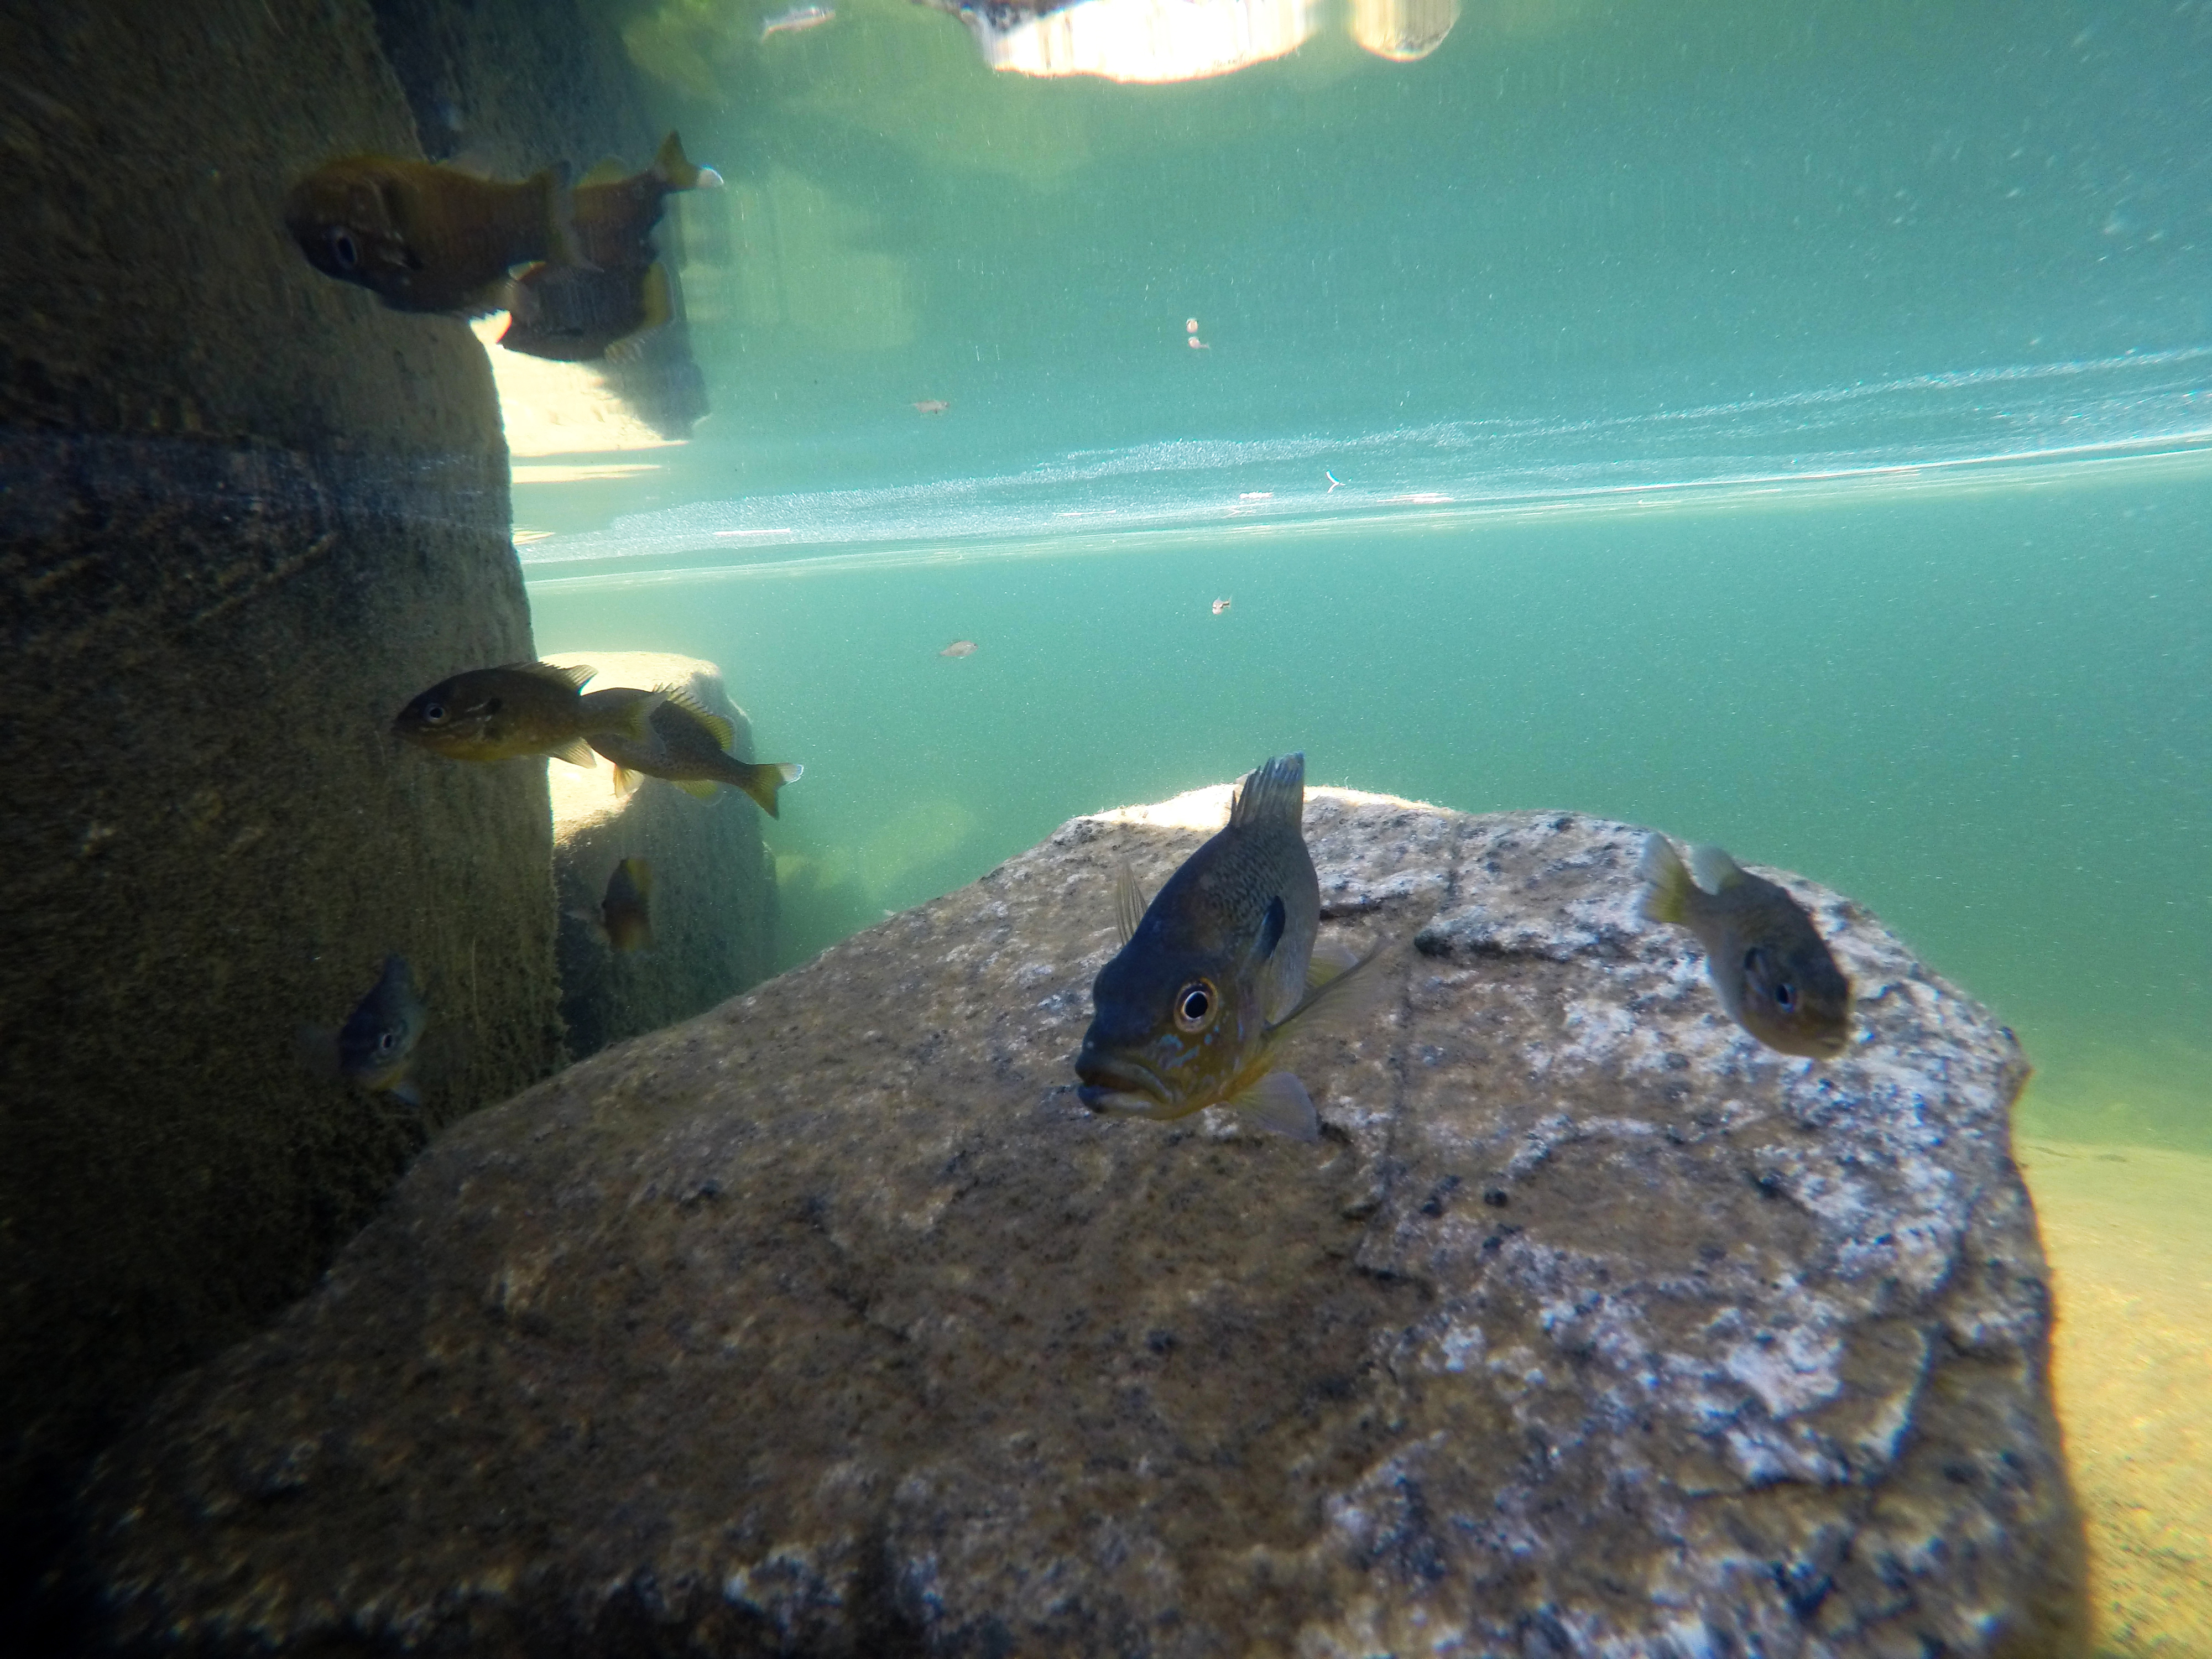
(932, 407)
(959, 648)
(1190, 326)
(1220, 605)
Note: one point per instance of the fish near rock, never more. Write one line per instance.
(689, 746)
(623, 921)
(429, 238)
(521, 709)
(1219, 970)
(1769, 965)
(375, 1048)
(578, 313)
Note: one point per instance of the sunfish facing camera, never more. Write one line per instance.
(1769, 965)
(1219, 970)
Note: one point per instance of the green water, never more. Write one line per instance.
(1786, 424)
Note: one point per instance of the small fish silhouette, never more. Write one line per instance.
(959, 648)
(1220, 605)
(932, 407)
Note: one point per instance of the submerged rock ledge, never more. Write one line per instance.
(829, 1323)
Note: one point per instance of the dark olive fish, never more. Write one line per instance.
(376, 1046)
(520, 709)
(1219, 970)
(573, 313)
(1768, 963)
(425, 237)
(623, 921)
(690, 746)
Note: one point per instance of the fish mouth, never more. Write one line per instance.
(1118, 1085)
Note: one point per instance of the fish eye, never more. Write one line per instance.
(433, 713)
(344, 250)
(385, 1041)
(1785, 998)
(1194, 1006)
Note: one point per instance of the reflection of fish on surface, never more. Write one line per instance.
(797, 19)
(376, 1046)
(623, 921)
(1219, 968)
(576, 313)
(425, 237)
(959, 648)
(689, 746)
(521, 709)
(1769, 965)
(932, 407)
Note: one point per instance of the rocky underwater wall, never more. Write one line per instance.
(246, 512)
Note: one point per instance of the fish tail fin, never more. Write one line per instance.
(564, 243)
(673, 167)
(1713, 869)
(1274, 794)
(1667, 886)
(762, 782)
(1279, 1102)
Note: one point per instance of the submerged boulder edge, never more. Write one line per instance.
(830, 1322)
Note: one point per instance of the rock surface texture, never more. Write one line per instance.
(830, 1322)
(246, 512)
(714, 900)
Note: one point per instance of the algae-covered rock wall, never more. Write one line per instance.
(246, 512)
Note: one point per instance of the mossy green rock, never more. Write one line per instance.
(830, 1322)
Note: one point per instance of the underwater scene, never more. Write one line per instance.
(1785, 428)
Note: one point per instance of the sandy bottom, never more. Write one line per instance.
(2129, 1233)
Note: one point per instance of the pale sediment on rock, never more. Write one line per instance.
(831, 1322)
(714, 892)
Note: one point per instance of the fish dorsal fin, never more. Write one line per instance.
(1667, 887)
(724, 733)
(574, 676)
(608, 170)
(1275, 793)
(1279, 1102)
(1331, 959)
(1129, 901)
(1270, 929)
(576, 752)
(1714, 870)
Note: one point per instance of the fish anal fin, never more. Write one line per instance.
(704, 788)
(1129, 901)
(1278, 1102)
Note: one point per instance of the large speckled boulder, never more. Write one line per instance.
(714, 897)
(830, 1322)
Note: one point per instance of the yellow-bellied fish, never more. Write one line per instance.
(1768, 963)
(1218, 970)
(623, 921)
(425, 237)
(690, 746)
(376, 1046)
(521, 709)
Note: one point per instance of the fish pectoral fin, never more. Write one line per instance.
(1346, 1001)
(1129, 901)
(1666, 895)
(704, 788)
(406, 1091)
(1279, 1102)
(1331, 959)
(1272, 924)
(1714, 870)
(576, 752)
